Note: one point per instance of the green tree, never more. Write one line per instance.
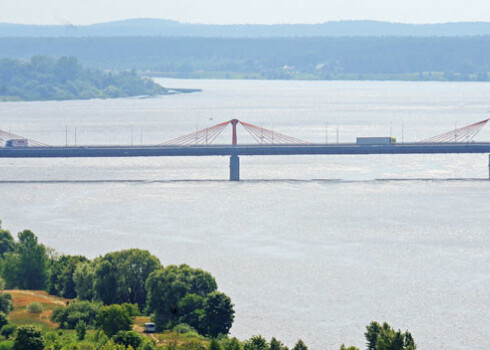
(106, 282)
(300, 345)
(214, 345)
(386, 338)
(121, 276)
(343, 347)
(26, 268)
(256, 342)
(191, 309)
(6, 304)
(3, 319)
(128, 338)
(166, 288)
(372, 331)
(110, 345)
(114, 318)
(232, 344)
(8, 330)
(84, 279)
(61, 275)
(67, 68)
(81, 329)
(28, 338)
(7, 243)
(68, 317)
(218, 314)
(276, 345)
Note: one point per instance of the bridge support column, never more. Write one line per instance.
(489, 166)
(234, 168)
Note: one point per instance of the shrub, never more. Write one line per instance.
(232, 344)
(3, 319)
(132, 309)
(114, 318)
(7, 345)
(28, 338)
(6, 304)
(215, 345)
(8, 330)
(110, 345)
(128, 338)
(80, 311)
(81, 329)
(148, 346)
(35, 308)
(343, 347)
(256, 342)
(184, 328)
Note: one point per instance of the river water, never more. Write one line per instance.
(311, 247)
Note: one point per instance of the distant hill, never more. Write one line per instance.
(366, 58)
(167, 28)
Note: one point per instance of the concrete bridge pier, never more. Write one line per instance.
(489, 166)
(234, 168)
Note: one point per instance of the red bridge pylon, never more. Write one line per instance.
(464, 134)
(208, 135)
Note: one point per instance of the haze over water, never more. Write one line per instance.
(311, 247)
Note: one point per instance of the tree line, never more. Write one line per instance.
(417, 58)
(133, 279)
(106, 294)
(47, 78)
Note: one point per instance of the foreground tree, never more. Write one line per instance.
(386, 338)
(300, 345)
(232, 344)
(84, 279)
(218, 314)
(6, 304)
(68, 317)
(167, 287)
(120, 277)
(214, 345)
(257, 342)
(114, 318)
(26, 268)
(7, 243)
(28, 338)
(277, 345)
(61, 275)
(128, 338)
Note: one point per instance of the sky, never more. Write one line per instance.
(78, 12)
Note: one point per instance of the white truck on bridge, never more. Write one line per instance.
(376, 140)
(17, 143)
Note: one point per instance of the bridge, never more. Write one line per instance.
(269, 143)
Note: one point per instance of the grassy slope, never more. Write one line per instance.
(22, 298)
(20, 316)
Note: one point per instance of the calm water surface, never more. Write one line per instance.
(310, 247)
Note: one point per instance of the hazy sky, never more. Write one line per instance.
(243, 11)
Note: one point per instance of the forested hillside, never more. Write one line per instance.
(45, 78)
(409, 58)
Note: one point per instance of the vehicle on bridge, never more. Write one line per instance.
(17, 143)
(376, 140)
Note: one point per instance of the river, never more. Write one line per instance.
(311, 247)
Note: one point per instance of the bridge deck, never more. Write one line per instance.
(242, 150)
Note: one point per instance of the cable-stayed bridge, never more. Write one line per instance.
(268, 142)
